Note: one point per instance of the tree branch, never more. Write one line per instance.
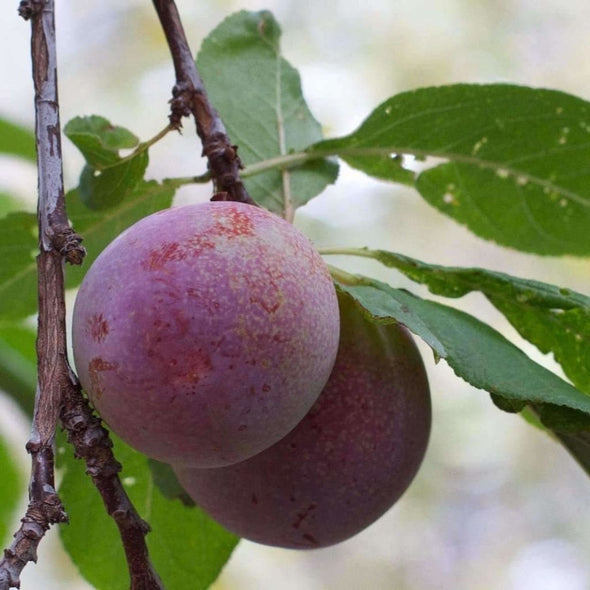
(58, 391)
(189, 97)
(92, 443)
(56, 242)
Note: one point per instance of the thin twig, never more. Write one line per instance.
(189, 97)
(145, 145)
(58, 391)
(92, 444)
(184, 180)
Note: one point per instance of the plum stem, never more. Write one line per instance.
(190, 98)
(145, 145)
(58, 392)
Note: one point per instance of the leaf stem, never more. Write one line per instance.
(364, 252)
(284, 162)
(280, 162)
(144, 145)
(184, 180)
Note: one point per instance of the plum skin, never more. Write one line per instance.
(346, 463)
(204, 333)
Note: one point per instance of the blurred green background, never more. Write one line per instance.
(497, 505)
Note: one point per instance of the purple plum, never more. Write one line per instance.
(203, 334)
(346, 462)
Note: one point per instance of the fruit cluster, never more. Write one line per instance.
(211, 337)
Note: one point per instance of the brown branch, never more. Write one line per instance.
(56, 242)
(92, 443)
(189, 97)
(55, 232)
(58, 391)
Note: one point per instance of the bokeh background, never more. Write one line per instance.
(497, 505)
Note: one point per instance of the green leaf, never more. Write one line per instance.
(564, 332)
(99, 140)
(18, 280)
(475, 351)
(564, 420)
(104, 189)
(384, 167)
(9, 204)
(516, 159)
(511, 406)
(18, 363)
(579, 447)
(17, 141)
(554, 319)
(258, 94)
(10, 490)
(100, 228)
(186, 547)
(576, 443)
(107, 179)
(167, 482)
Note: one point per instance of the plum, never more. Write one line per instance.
(203, 334)
(346, 462)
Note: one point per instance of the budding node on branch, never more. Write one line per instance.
(29, 8)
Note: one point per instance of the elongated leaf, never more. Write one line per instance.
(576, 443)
(258, 94)
(474, 350)
(565, 333)
(107, 179)
(579, 447)
(563, 420)
(187, 548)
(17, 141)
(385, 167)
(18, 363)
(554, 319)
(516, 159)
(18, 282)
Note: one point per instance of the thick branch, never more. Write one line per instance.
(54, 229)
(55, 239)
(44, 507)
(189, 97)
